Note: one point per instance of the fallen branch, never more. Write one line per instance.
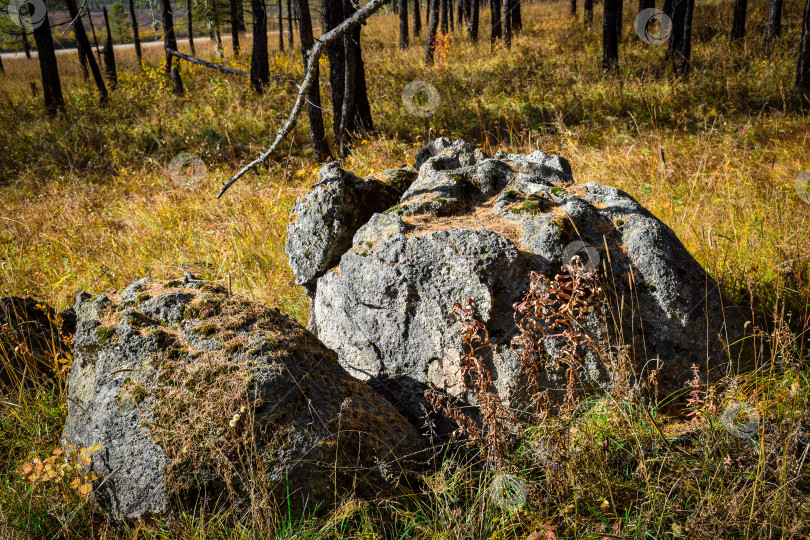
(211, 65)
(355, 20)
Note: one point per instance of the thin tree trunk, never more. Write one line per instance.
(280, 26)
(350, 88)
(259, 66)
(51, 86)
(433, 27)
(610, 42)
(676, 10)
(417, 18)
(93, 30)
(506, 22)
(83, 44)
(136, 38)
(314, 95)
(686, 41)
(169, 41)
(83, 66)
(517, 17)
(109, 54)
(738, 23)
(444, 16)
(2, 68)
(773, 24)
(217, 33)
(450, 15)
(332, 11)
(234, 7)
(190, 27)
(461, 13)
(572, 9)
(26, 44)
(403, 23)
(495, 11)
(240, 16)
(474, 15)
(803, 64)
(588, 7)
(290, 35)
(619, 20)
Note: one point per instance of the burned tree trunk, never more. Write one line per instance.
(495, 30)
(472, 28)
(26, 44)
(610, 41)
(803, 64)
(234, 5)
(403, 24)
(190, 28)
(444, 16)
(83, 66)
(170, 42)
(280, 26)
(619, 20)
(588, 7)
(517, 17)
(773, 25)
(506, 22)
(433, 27)
(290, 35)
(462, 12)
(259, 66)
(417, 18)
(109, 54)
(51, 86)
(83, 44)
(136, 38)
(572, 9)
(314, 95)
(738, 22)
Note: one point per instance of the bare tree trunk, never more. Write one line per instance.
(588, 7)
(170, 42)
(610, 42)
(572, 9)
(217, 33)
(190, 28)
(676, 10)
(314, 95)
(495, 10)
(350, 88)
(109, 54)
(332, 11)
(517, 17)
(83, 44)
(417, 18)
(233, 4)
(240, 15)
(136, 38)
(619, 20)
(93, 30)
(444, 16)
(403, 23)
(461, 13)
(685, 52)
(2, 68)
(433, 27)
(506, 22)
(290, 35)
(474, 14)
(738, 23)
(803, 64)
(773, 25)
(280, 26)
(26, 44)
(51, 86)
(259, 66)
(83, 66)
(450, 15)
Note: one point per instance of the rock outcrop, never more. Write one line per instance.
(199, 399)
(474, 227)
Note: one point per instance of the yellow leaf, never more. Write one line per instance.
(75, 483)
(84, 490)
(84, 457)
(57, 451)
(95, 448)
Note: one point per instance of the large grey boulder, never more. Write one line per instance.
(199, 398)
(324, 221)
(474, 227)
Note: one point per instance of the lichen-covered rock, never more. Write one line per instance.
(199, 399)
(325, 219)
(474, 227)
(34, 340)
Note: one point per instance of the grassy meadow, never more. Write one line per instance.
(88, 205)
